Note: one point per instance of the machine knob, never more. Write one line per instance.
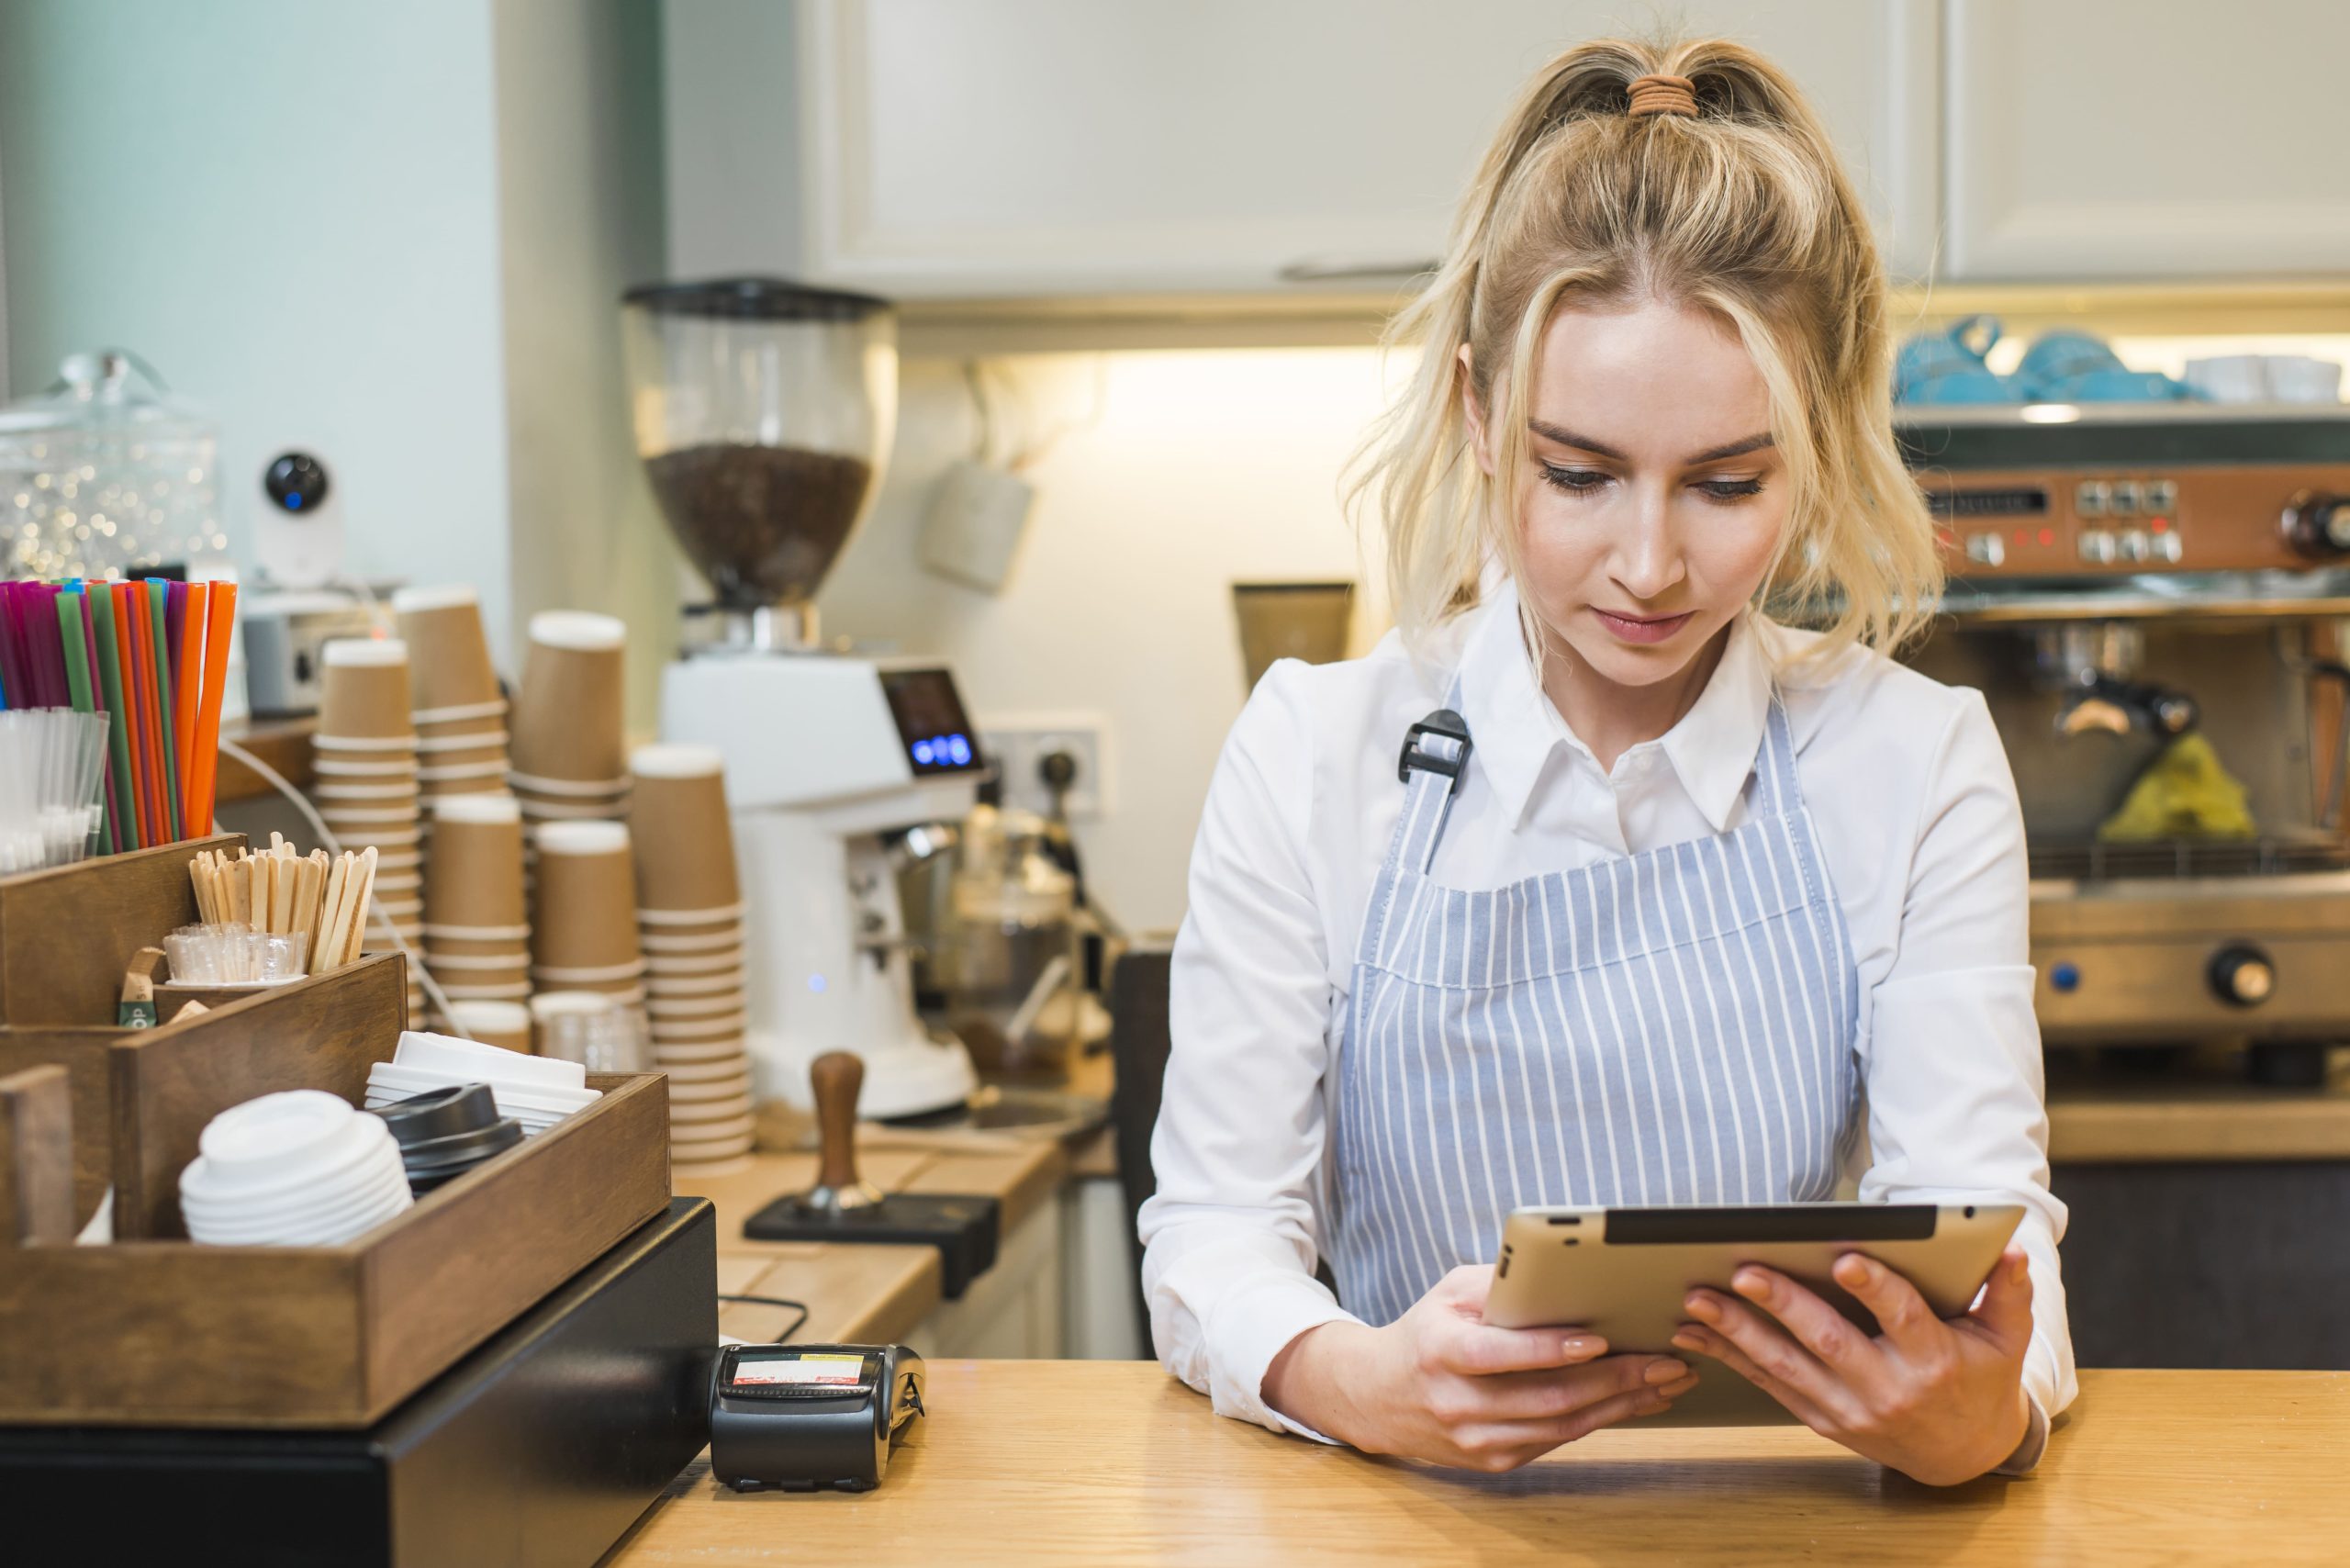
(2318, 525)
(2242, 976)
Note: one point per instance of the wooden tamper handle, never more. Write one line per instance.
(834, 1079)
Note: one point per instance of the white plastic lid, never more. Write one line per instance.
(373, 652)
(675, 760)
(491, 1017)
(488, 809)
(583, 838)
(436, 595)
(549, 1004)
(580, 628)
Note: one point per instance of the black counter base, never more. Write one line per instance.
(538, 1450)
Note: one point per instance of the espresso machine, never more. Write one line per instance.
(764, 412)
(2124, 577)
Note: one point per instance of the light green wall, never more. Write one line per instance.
(394, 233)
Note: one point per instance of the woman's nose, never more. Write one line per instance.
(1647, 558)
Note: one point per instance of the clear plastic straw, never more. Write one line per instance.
(52, 765)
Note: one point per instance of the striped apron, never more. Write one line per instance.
(1671, 1028)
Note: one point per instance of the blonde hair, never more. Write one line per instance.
(1742, 210)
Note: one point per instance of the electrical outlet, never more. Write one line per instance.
(1020, 742)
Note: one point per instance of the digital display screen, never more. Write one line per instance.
(931, 724)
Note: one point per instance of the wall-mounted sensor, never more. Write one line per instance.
(298, 534)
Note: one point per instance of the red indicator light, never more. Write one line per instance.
(2020, 536)
(2160, 524)
(2048, 536)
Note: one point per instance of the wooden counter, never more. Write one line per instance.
(858, 1293)
(1114, 1462)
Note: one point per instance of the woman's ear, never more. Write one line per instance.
(1473, 413)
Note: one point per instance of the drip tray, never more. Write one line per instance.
(2185, 859)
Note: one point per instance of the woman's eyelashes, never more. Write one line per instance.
(1575, 481)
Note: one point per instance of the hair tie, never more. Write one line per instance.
(1663, 96)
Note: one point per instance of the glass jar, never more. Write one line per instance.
(105, 474)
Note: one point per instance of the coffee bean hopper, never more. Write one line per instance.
(764, 412)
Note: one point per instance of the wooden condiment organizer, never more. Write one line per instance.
(160, 1331)
(65, 936)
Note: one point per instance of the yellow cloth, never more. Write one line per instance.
(2184, 793)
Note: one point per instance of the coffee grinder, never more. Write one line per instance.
(764, 412)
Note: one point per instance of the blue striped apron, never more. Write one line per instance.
(1675, 1027)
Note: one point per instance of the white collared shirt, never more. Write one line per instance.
(1916, 814)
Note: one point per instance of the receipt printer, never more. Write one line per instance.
(809, 1417)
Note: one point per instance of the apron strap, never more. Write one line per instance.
(1436, 754)
(1776, 794)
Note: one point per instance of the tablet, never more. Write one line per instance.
(1623, 1274)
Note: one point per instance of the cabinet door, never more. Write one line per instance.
(2154, 139)
(1071, 146)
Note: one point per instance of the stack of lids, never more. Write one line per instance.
(444, 1133)
(690, 920)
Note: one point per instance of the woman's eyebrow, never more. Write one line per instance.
(1565, 437)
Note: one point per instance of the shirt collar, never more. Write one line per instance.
(1515, 728)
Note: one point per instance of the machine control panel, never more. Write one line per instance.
(931, 724)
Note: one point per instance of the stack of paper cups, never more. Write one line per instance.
(459, 713)
(503, 1024)
(476, 930)
(583, 925)
(570, 759)
(365, 787)
(690, 917)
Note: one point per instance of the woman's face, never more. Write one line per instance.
(1656, 497)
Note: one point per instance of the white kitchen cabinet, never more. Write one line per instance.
(976, 148)
(2149, 138)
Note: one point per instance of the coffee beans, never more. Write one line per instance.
(764, 523)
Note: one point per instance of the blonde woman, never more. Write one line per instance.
(1678, 905)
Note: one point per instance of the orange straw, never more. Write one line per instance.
(186, 696)
(220, 619)
(127, 652)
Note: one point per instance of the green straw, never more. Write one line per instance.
(158, 603)
(72, 633)
(127, 834)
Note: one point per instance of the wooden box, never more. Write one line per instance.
(155, 1330)
(66, 933)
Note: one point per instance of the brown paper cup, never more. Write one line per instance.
(713, 1051)
(722, 1134)
(685, 844)
(585, 909)
(690, 966)
(708, 1102)
(374, 768)
(693, 1031)
(686, 1009)
(479, 728)
(475, 874)
(503, 1024)
(449, 655)
(567, 720)
(364, 695)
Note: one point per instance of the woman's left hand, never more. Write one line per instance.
(1941, 1402)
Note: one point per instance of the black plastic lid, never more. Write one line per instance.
(439, 1112)
(755, 299)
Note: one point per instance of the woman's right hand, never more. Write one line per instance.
(1442, 1384)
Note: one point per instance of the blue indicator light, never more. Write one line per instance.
(292, 501)
(816, 984)
(924, 754)
(960, 748)
(2064, 977)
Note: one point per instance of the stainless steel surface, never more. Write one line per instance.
(2120, 575)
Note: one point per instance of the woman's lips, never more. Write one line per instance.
(1642, 628)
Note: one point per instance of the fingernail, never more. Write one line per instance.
(1748, 1283)
(1665, 1371)
(1582, 1345)
(1851, 1266)
(1676, 1389)
(1688, 1342)
(1702, 1308)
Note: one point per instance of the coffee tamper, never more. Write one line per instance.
(842, 1207)
(836, 1078)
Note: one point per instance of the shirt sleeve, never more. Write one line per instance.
(1230, 1237)
(1952, 1059)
